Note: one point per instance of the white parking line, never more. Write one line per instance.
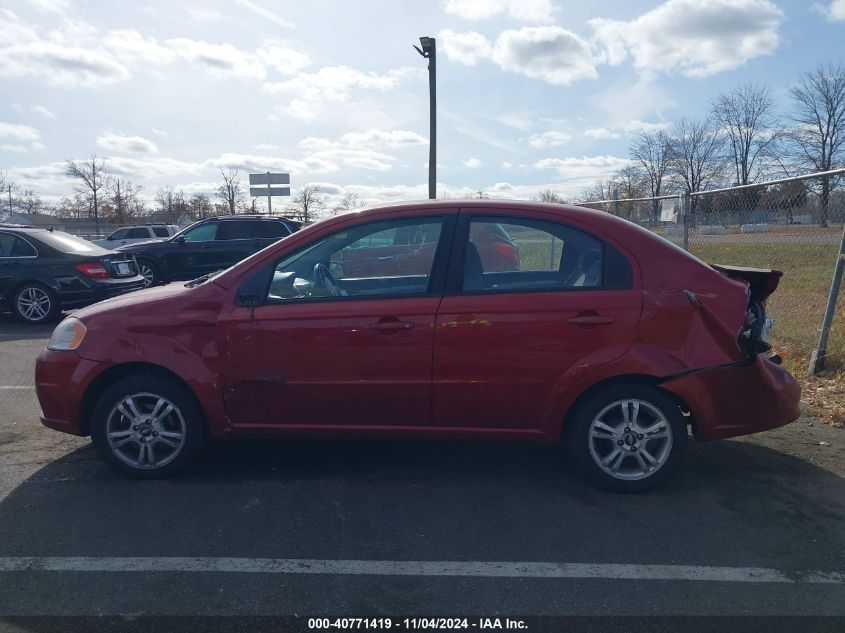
(13, 387)
(416, 568)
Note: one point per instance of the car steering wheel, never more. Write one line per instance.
(323, 278)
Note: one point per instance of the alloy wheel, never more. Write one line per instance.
(145, 431)
(147, 273)
(630, 439)
(34, 304)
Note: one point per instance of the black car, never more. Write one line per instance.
(207, 246)
(43, 272)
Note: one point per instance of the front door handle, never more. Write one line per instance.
(591, 318)
(391, 325)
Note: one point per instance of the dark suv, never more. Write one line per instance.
(207, 246)
(43, 272)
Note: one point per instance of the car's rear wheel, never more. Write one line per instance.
(147, 426)
(627, 438)
(35, 303)
(149, 271)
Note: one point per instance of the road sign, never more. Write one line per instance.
(269, 179)
(269, 191)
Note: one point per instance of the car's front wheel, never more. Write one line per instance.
(35, 303)
(627, 438)
(147, 426)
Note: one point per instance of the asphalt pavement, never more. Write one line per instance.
(297, 529)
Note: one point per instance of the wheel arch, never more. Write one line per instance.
(621, 379)
(118, 372)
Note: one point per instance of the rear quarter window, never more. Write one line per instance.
(270, 229)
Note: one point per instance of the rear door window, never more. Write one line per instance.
(13, 246)
(235, 230)
(160, 231)
(269, 229)
(516, 254)
(135, 234)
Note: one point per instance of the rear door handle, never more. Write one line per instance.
(392, 325)
(591, 319)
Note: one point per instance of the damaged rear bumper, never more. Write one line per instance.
(738, 400)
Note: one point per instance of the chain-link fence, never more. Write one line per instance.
(794, 225)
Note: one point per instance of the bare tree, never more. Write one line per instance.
(696, 154)
(651, 151)
(600, 190)
(7, 186)
(199, 206)
(76, 207)
(348, 202)
(746, 116)
(817, 133)
(123, 196)
(172, 204)
(29, 202)
(307, 203)
(549, 195)
(92, 174)
(229, 190)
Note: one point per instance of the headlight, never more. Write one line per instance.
(67, 336)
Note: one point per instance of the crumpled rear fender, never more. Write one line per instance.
(738, 399)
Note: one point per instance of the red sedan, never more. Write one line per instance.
(481, 318)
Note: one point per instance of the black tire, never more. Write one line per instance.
(36, 303)
(588, 446)
(146, 388)
(148, 269)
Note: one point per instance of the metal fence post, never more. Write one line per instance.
(616, 202)
(818, 356)
(685, 212)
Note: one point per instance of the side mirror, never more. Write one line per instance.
(180, 239)
(254, 290)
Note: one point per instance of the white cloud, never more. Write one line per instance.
(361, 149)
(550, 53)
(549, 139)
(696, 37)
(471, 163)
(222, 61)
(835, 11)
(50, 6)
(265, 13)
(383, 138)
(43, 111)
(13, 147)
(18, 132)
(635, 126)
(584, 169)
(159, 132)
(526, 10)
(24, 52)
(600, 133)
(284, 60)
(130, 46)
(265, 147)
(312, 92)
(126, 143)
(467, 48)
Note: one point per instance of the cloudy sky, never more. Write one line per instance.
(532, 94)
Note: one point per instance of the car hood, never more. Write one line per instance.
(146, 301)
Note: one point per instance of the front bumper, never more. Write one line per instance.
(61, 379)
(738, 400)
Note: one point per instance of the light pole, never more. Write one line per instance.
(429, 52)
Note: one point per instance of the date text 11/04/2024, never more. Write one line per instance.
(416, 623)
